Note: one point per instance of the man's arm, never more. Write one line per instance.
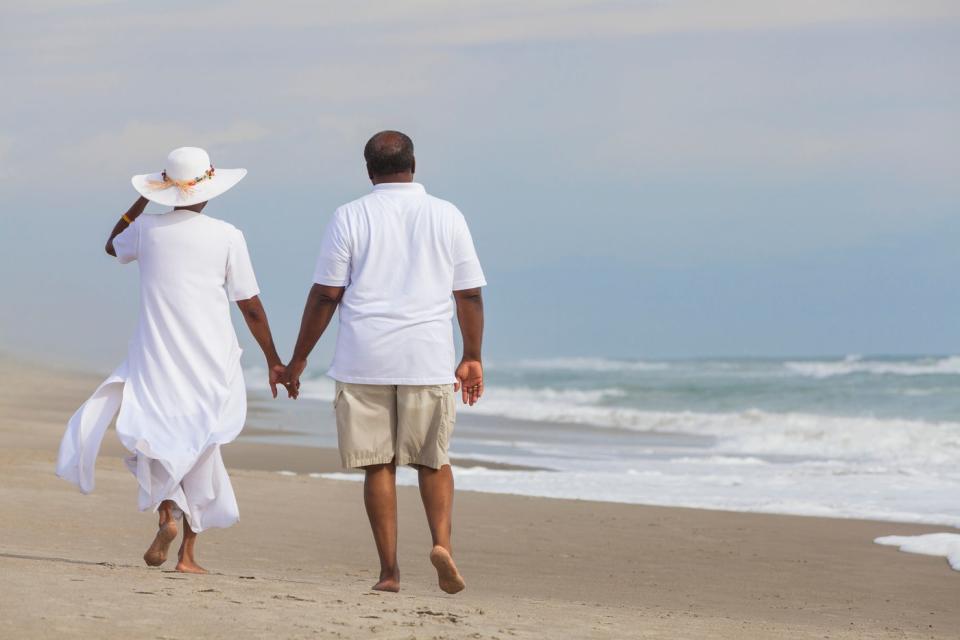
(256, 318)
(132, 213)
(321, 305)
(470, 370)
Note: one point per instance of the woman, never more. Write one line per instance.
(180, 391)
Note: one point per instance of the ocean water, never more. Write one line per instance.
(870, 437)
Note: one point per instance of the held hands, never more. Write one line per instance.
(290, 377)
(469, 376)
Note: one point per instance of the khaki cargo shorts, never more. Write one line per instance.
(380, 423)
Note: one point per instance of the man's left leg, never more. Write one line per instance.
(425, 419)
(436, 491)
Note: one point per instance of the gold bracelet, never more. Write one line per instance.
(126, 219)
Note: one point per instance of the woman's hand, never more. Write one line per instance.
(275, 375)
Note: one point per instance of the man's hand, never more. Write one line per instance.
(321, 304)
(291, 377)
(469, 381)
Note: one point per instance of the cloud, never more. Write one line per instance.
(502, 22)
(143, 146)
(6, 146)
(433, 22)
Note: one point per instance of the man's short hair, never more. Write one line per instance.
(389, 152)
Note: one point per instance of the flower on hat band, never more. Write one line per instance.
(185, 186)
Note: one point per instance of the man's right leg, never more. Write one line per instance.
(366, 432)
(380, 499)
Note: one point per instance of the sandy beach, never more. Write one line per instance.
(300, 562)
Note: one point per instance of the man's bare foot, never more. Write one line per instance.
(389, 583)
(156, 555)
(188, 566)
(449, 578)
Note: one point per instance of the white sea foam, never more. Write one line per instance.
(800, 462)
(855, 364)
(945, 545)
(775, 490)
(722, 460)
(745, 432)
(897, 442)
(319, 388)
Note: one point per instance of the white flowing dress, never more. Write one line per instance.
(180, 392)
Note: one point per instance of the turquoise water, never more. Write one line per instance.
(873, 437)
(923, 388)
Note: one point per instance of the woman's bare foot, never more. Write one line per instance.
(189, 566)
(388, 582)
(449, 578)
(186, 562)
(156, 554)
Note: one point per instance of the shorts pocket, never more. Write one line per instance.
(448, 412)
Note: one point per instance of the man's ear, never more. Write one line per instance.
(369, 173)
(413, 166)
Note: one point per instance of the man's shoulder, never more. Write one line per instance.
(444, 210)
(355, 203)
(442, 205)
(352, 208)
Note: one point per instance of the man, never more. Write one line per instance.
(390, 261)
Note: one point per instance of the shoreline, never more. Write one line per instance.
(260, 448)
(300, 561)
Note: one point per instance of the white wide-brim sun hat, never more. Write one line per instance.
(189, 178)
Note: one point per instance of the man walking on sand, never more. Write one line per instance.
(391, 261)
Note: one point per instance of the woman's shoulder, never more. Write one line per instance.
(223, 226)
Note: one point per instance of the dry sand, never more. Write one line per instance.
(300, 562)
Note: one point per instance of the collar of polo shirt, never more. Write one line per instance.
(400, 186)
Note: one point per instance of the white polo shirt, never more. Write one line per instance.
(400, 253)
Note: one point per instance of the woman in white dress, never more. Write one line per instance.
(180, 392)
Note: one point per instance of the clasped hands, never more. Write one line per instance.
(287, 376)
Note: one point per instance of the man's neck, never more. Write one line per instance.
(406, 176)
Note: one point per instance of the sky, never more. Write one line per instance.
(642, 179)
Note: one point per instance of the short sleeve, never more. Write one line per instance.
(240, 282)
(467, 272)
(333, 263)
(126, 244)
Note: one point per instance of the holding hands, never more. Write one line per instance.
(290, 377)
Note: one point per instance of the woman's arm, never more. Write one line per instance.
(135, 210)
(256, 318)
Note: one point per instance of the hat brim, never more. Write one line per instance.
(222, 181)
